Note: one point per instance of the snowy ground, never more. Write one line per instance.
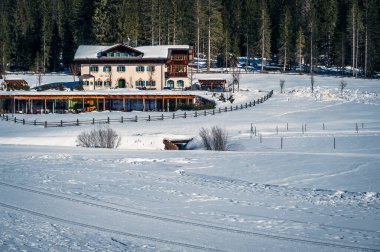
(306, 196)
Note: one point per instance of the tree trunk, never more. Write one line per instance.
(285, 59)
(311, 53)
(209, 38)
(353, 41)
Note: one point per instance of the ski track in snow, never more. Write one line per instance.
(306, 197)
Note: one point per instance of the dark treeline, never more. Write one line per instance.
(43, 35)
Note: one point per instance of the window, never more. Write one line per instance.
(106, 69)
(140, 69)
(121, 68)
(99, 83)
(87, 83)
(150, 68)
(107, 83)
(140, 83)
(180, 83)
(99, 54)
(151, 83)
(170, 83)
(94, 68)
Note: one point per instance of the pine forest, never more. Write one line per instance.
(43, 35)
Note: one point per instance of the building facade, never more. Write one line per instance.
(122, 66)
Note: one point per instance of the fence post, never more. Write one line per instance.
(250, 104)
(108, 120)
(7, 118)
(237, 107)
(323, 126)
(162, 117)
(255, 131)
(213, 112)
(334, 143)
(77, 122)
(23, 121)
(362, 125)
(148, 118)
(45, 124)
(205, 113)
(281, 142)
(305, 127)
(15, 119)
(302, 129)
(231, 108)
(357, 128)
(136, 118)
(173, 115)
(287, 126)
(195, 114)
(35, 122)
(61, 123)
(225, 109)
(254, 103)
(93, 120)
(184, 114)
(122, 119)
(246, 105)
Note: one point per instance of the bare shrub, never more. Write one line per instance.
(282, 85)
(342, 85)
(312, 81)
(99, 138)
(214, 139)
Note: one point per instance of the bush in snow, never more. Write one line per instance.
(214, 139)
(342, 85)
(282, 85)
(99, 138)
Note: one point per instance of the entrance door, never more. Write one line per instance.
(121, 83)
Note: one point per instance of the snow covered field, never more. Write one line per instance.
(307, 196)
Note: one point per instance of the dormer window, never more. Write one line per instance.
(99, 54)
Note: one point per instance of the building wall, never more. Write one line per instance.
(131, 75)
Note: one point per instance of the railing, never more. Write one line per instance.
(136, 118)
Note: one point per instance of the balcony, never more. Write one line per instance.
(175, 74)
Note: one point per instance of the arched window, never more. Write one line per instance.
(180, 83)
(170, 83)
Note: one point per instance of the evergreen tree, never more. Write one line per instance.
(300, 45)
(102, 20)
(265, 34)
(285, 37)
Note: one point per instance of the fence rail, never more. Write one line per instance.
(136, 118)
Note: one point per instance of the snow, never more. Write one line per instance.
(89, 51)
(160, 52)
(150, 52)
(306, 196)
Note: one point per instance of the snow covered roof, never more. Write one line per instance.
(149, 52)
(160, 51)
(89, 51)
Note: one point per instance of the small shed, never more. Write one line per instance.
(213, 85)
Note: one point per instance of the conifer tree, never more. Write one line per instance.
(300, 45)
(285, 37)
(265, 33)
(102, 21)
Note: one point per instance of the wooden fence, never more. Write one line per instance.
(77, 122)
